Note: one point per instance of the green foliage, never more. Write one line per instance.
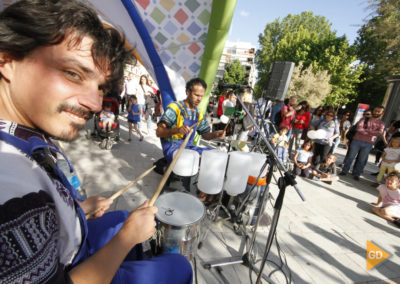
(309, 39)
(371, 52)
(384, 30)
(378, 48)
(235, 73)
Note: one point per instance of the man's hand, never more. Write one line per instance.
(220, 134)
(183, 130)
(95, 202)
(140, 225)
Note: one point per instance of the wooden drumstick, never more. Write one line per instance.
(122, 190)
(169, 170)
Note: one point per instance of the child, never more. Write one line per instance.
(281, 144)
(302, 159)
(326, 171)
(390, 157)
(389, 198)
(107, 117)
(134, 117)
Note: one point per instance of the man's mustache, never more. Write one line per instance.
(76, 110)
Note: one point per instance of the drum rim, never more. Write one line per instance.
(187, 224)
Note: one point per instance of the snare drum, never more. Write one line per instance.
(179, 218)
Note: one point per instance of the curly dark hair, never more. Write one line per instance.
(29, 24)
(195, 81)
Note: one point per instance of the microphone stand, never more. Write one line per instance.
(271, 150)
(287, 179)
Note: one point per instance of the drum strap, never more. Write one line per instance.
(39, 150)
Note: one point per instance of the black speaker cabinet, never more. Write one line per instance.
(279, 80)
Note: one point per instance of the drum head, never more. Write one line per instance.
(179, 209)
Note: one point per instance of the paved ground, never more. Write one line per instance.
(322, 239)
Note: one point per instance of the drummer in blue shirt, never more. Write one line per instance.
(179, 116)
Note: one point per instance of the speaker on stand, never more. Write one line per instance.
(279, 80)
(277, 86)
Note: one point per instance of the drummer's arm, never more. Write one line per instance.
(213, 135)
(164, 131)
(102, 266)
(93, 203)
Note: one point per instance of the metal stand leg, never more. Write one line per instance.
(246, 258)
(283, 182)
(215, 212)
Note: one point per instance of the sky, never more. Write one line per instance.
(251, 16)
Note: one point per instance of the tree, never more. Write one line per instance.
(384, 28)
(234, 73)
(378, 48)
(289, 40)
(371, 51)
(309, 86)
(309, 39)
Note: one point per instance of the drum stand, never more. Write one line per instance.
(287, 179)
(215, 212)
(246, 258)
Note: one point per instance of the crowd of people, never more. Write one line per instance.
(147, 106)
(289, 125)
(316, 157)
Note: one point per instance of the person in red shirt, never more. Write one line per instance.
(221, 99)
(301, 122)
(288, 113)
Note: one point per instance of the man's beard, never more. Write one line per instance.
(70, 135)
(376, 115)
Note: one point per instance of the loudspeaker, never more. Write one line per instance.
(279, 80)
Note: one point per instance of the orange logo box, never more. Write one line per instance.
(375, 255)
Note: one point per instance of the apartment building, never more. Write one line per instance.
(244, 52)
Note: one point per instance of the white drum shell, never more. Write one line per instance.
(188, 163)
(237, 172)
(258, 161)
(212, 171)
